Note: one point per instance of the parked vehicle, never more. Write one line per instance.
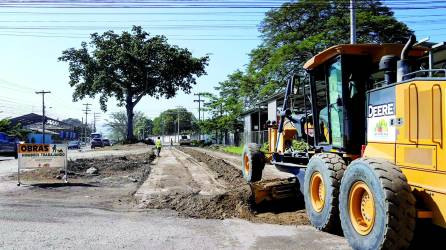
(106, 142)
(149, 141)
(8, 145)
(96, 135)
(74, 145)
(185, 140)
(96, 142)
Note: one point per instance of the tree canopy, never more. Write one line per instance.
(117, 125)
(224, 108)
(291, 35)
(299, 30)
(167, 122)
(13, 130)
(130, 66)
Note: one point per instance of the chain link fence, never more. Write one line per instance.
(258, 137)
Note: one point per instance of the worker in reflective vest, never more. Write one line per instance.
(158, 146)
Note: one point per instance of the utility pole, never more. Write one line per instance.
(86, 110)
(199, 104)
(352, 22)
(95, 118)
(81, 129)
(178, 116)
(43, 92)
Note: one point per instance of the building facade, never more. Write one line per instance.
(55, 131)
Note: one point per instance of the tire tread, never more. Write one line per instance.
(336, 165)
(400, 210)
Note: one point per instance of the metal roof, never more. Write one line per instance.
(376, 51)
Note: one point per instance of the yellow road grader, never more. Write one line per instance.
(373, 119)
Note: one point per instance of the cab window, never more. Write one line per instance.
(334, 77)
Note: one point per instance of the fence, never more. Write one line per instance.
(258, 137)
(236, 139)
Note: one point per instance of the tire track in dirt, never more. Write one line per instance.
(235, 202)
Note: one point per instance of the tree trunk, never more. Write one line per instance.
(129, 108)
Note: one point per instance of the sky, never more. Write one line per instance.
(33, 36)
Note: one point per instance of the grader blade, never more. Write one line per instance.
(276, 189)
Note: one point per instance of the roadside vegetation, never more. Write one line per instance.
(129, 66)
(237, 150)
(291, 35)
(13, 130)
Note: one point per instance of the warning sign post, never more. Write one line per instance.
(34, 156)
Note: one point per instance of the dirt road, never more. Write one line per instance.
(200, 186)
(269, 172)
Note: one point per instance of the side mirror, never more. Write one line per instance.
(339, 102)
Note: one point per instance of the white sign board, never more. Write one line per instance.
(32, 156)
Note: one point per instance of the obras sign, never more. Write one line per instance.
(42, 155)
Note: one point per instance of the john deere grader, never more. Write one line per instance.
(372, 117)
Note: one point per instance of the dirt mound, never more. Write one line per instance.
(236, 202)
(110, 165)
(227, 205)
(133, 167)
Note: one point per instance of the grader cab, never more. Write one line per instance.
(372, 117)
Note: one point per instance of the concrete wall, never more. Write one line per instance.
(37, 138)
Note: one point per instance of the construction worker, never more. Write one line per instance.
(158, 146)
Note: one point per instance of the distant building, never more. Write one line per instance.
(55, 131)
(254, 119)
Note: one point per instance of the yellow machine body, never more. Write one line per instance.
(418, 147)
(289, 131)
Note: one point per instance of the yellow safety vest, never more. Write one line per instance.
(158, 143)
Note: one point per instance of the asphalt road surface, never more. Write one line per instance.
(55, 226)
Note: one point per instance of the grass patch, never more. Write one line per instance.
(233, 150)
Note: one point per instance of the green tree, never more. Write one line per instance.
(299, 30)
(225, 108)
(130, 66)
(143, 127)
(118, 124)
(167, 122)
(13, 130)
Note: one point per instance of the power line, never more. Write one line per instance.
(172, 39)
(199, 100)
(96, 116)
(199, 5)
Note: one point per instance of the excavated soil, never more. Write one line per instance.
(110, 170)
(236, 202)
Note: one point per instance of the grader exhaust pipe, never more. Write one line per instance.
(403, 66)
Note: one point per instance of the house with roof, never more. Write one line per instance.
(55, 131)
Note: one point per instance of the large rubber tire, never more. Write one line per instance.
(253, 162)
(329, 168)
(394, 213)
